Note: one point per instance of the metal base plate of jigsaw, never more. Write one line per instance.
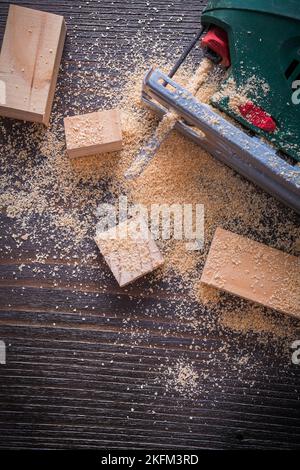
(249, 156)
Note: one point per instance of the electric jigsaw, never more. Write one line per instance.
(257, 42)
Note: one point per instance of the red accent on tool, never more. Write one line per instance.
(257, 116)
(216, 39)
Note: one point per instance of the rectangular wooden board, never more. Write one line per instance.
(29, 62)
(92, 133)
(130, 255)
(254, 271)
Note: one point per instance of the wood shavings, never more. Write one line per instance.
(56, 199)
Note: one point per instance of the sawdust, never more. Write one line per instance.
(254, 88)
(200, 77)
(181, 378)
(258, 320)
(52, 198)
(198, 80)
(206, 294)
(169, 120)
(166, 125)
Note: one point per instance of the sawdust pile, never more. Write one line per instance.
(53, 198)
(257, 319)
(206, 294)
(182, 378)
(200, 77)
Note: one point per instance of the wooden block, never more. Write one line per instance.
(254, 271)
(129, 255)
(29, 62)
(93, 133)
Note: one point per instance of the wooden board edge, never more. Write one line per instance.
(20, 115)
(94, 150)
(285, 312)
(59, 52)
(142, 275)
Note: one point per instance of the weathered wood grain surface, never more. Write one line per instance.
(74, 384)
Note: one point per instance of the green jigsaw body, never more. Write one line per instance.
(264, 43)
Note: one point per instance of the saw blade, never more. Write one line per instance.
(148, 152)
(143, 159)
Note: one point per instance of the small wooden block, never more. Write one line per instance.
(254, 271)
(93, 133)
(129, 257)
(29, 62)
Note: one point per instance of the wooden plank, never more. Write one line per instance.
(254, 271)
(129, 253)
(93, 133)
(29, 62)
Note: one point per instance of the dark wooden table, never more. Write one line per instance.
(92, 384)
